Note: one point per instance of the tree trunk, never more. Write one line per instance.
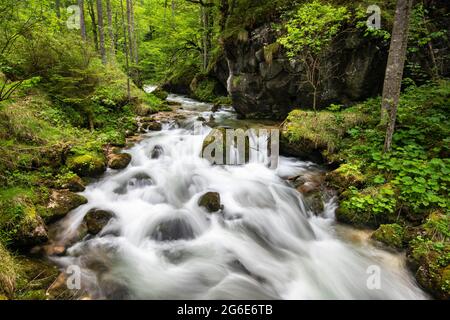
(101, 30)
(134, 34)
(207, 33)
(94, 22)
(82, 20)
(110, 28)
(58, 8)
(127, 64)
(394, 69)
(129, 28)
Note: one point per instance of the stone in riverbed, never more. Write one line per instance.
(157, 152)
(119, 161)
(211, 202)
(96, 220)
(173, 230)
(61, 203)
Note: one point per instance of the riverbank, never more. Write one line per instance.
(47, 157)
(403, 195)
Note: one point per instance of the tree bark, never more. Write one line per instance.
(129, 28)
(82, 20)
(58, 8)
(394, 69)
(94, 22)
(110, 28)
(127, 64)
(134, 34)
(101, 30)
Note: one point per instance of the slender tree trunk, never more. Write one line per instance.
(101, 30)
(129, 29)
(134, 34)
(58, 8)
(82, 20)
(394, 69)
(110, 28)
(94, 22)
(127, 64)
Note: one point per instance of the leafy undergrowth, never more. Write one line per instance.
(399, 190)
(44, 134)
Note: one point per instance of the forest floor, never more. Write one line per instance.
(402, 194)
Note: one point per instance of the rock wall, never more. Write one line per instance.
(264, 83)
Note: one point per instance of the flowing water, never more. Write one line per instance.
(265, 244)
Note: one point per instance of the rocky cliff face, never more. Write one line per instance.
(263, 83)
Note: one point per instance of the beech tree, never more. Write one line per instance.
(82, 20)
(394, 69)
(101, 30)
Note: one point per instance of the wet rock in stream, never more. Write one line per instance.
(173, 230)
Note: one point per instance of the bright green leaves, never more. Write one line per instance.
(313, 27)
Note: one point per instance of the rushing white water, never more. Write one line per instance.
(264, 245)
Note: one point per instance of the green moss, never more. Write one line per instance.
(322, 131)
(87, 165)
(390, 234)
(346, 176)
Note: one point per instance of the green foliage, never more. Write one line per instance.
(312, 28)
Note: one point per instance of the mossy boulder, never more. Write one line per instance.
(87, 165)
(430, 260)
(119, 161)
(160, 94)
(211, 202)
(317, 136)
(150, 124)
(61, 203)
(369, 207)
(344, 177)
(31, 231)
(96, 220)
(429, 254)
(73, 183)
(391, 235)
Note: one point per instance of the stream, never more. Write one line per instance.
(265, 244)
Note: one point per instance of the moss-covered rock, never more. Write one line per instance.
(345, 176)
(150, 124)
(31, 231)
(72, 183)
(317, 135)
(429, 254)
(87, 165)
(96, 220)
(391, 235)
(61, 203)
(210, 201)
(160, 94)
(119, 161)
(369, 207)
